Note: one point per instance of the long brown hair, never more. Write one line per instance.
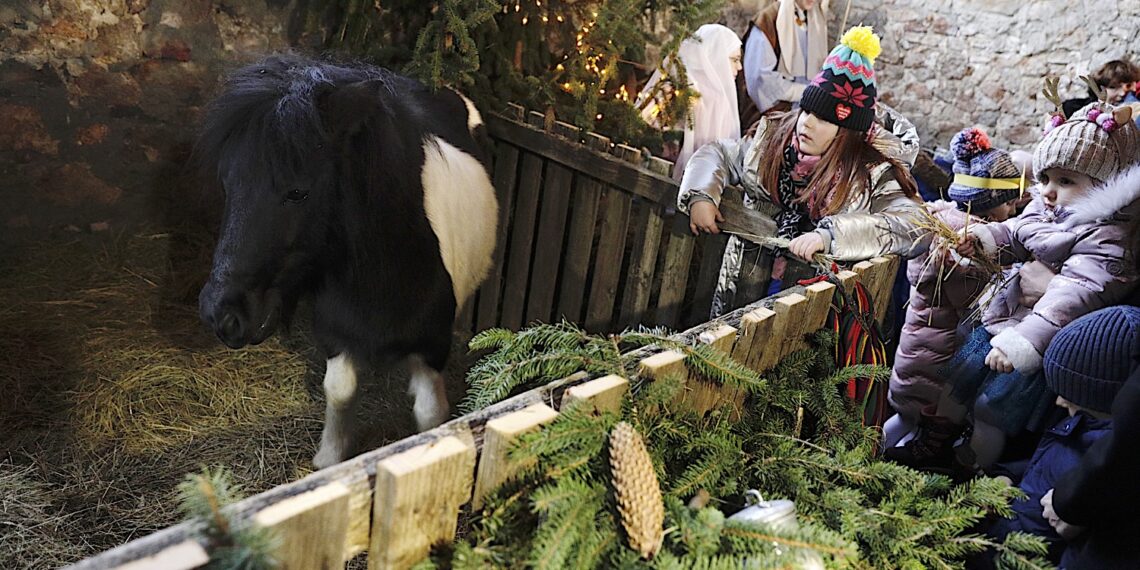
(844, 167)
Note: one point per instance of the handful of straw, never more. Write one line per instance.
(822, 260)
(944, 240)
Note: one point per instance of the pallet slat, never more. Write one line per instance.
(607, 263)
(603, 394)
(182, 556)
(522, 242)
(704, 396)
(417, 500)
(675, 273)
(647, 226)
(506, 175)
(572, 285)
(548, 243)
(495, 467)
(311, 528)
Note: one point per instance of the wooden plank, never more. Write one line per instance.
(567, 131)
(506, 175)
(548, 245)
(704, 396)
(712, 252)
(660, 166)
(646, 225)
(495, 467)
(631, 179)
(749, 224)
(628, 153)
(536, 120)
(604, 394)
(607, 263)
(675, 273)
(847, 278)
(669, 362)
(820, 297)
(762, 339)
(755, 276)
(789, 311)
(181, 556)
(888, 267)
(311, 528)
(575, 267)
(522, 242)
(743, 344)
(417, 500)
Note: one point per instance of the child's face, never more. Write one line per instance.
(737, 62)
(1061, 187)
(1002, 212)
(814, 134)
(1115, 93)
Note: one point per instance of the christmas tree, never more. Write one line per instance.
(578, 59)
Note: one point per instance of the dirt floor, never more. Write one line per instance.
(111, 391)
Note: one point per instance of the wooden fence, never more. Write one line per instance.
(588, 234)
(397, 501)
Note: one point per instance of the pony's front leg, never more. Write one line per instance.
(340, 411)
(427, 387)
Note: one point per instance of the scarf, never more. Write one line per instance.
(792, 60)
(795, 172)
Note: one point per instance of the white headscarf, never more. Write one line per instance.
(707, 58)
(792, 61)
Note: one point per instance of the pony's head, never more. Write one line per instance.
(272, 141)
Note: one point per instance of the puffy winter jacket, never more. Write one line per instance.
(1084, 244)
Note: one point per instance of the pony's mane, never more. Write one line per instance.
(266, 121)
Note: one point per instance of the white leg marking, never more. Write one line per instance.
(426, 386)
(340, 395)
(460, 203)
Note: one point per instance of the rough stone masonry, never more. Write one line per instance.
(950, 64)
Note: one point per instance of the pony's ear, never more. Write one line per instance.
(347, 108)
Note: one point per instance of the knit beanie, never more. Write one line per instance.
(984, 176)
(844, 91)
(1089, 360)
(1092, 142)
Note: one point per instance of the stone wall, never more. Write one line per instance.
(99, 99)
(950, 64)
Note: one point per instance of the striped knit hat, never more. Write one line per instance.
(984, 177)
(1089, 360)
(844, 92)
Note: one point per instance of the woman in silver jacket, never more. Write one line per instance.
(837, 171)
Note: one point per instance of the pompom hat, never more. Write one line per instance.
(984, 177)
(1090, 359)
(844, 92)
(1092, 142)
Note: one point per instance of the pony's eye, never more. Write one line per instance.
(296, 195)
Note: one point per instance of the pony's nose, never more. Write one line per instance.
(230, 329)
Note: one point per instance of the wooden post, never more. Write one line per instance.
(675, 273)
(495, 468)
(604, 394)
(182, 556)
(660, 166)
(763, 341)
(788, 326)
(667, 364)
(820, 297)
(506, 177)
(417, 500)
(706, 396)
(311, 528)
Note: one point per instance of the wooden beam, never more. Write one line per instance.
(182, 556)
(632, 179)
(311, 528)
(417, 500)
(495, 467)
(604, 394)
(706, 395)
(762, 340)
(522, 242)
(675, 273)
(608, 260)
(741, 220)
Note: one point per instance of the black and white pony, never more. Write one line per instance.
(364, 189)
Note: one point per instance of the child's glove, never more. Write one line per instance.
(1064, 529)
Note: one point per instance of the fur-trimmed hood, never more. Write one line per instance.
(1107, 199)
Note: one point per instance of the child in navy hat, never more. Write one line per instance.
(1086, 365)
(986, 185)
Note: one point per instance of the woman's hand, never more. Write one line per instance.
(703, 216)
(1064, 529)
(806, 245)
(998, 361)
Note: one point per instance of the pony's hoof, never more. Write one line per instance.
(327, 457)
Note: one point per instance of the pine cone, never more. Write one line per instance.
(636, 489)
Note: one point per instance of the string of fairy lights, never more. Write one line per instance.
(592, 60)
